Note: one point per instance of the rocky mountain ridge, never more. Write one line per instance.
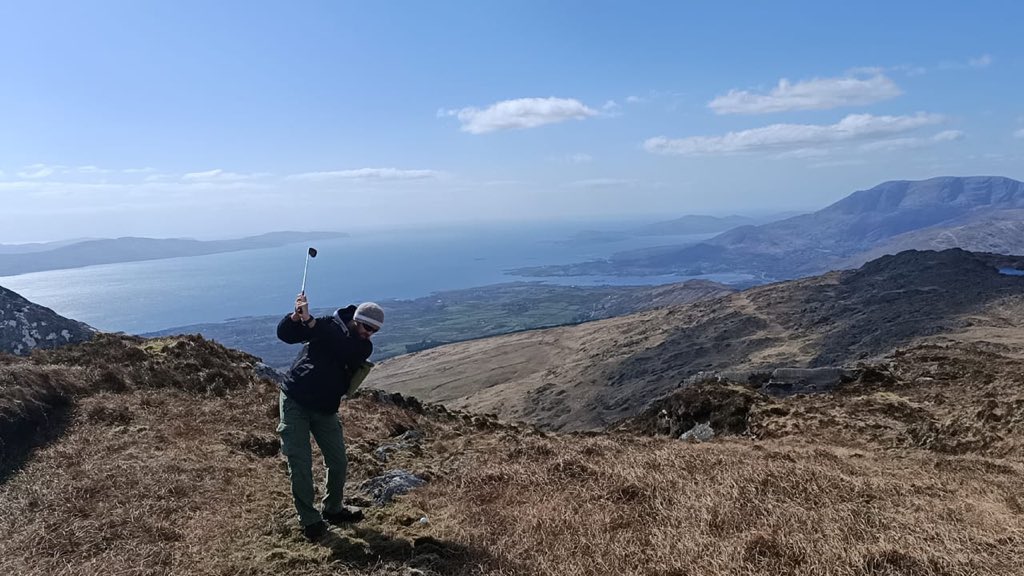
(25, 326)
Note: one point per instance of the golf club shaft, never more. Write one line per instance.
(304, 268)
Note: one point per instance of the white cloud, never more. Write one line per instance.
(1019, 133)
(520, 113)
(635, 100)
(816, 94)
(146, 170)
(780, 137)
(368, 174)
(37, 171)
(218, 175)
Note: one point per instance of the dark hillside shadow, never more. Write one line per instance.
(885, 304)
(26, 426)
(891, 301)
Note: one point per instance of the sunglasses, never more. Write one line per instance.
(368, 328)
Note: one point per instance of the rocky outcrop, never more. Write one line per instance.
(25, 326)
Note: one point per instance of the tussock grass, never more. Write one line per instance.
(622, 505)
(158, 470)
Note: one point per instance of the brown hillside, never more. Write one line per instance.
(589, 376)
(163, 460)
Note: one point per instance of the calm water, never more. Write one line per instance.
(139, 297)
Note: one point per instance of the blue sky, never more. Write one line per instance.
(214, 119)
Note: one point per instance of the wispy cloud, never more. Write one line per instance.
(367, 174)
(838, 163)
(520, 113)
(93, 170)
(907, 143)
(33, 171)
(803, 153)
(816, 94)
(983, 61)
(42, 170)
(577, 158)
(218, 175)
(948, 136)
(602, 183)
(1019, 133)
(780, 137)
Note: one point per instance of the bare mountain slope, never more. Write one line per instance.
(588, 376)
(1000, 232)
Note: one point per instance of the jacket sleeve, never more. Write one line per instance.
(293, 332)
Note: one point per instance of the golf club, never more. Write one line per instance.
(311, 253)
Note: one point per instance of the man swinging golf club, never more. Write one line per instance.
(333, 358)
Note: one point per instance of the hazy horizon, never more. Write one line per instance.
(224, 120)
(571, 225)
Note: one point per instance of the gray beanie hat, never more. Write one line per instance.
(370, 313)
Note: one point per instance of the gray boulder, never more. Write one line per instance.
(392, 483)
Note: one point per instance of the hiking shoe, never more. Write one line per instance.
(314, 532)
(344, 516)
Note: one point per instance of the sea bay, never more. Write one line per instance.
(145, 296)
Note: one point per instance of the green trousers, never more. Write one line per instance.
(297, 423)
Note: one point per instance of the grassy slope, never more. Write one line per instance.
(168, 465)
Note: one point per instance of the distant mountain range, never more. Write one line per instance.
(590, 375)
(25, 326)
(974, 213)
(24, 258)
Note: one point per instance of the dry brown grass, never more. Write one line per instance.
(623, 505)
(173, 475)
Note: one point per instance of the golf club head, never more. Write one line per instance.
(312, 252)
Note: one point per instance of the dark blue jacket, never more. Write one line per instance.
(321, 373)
